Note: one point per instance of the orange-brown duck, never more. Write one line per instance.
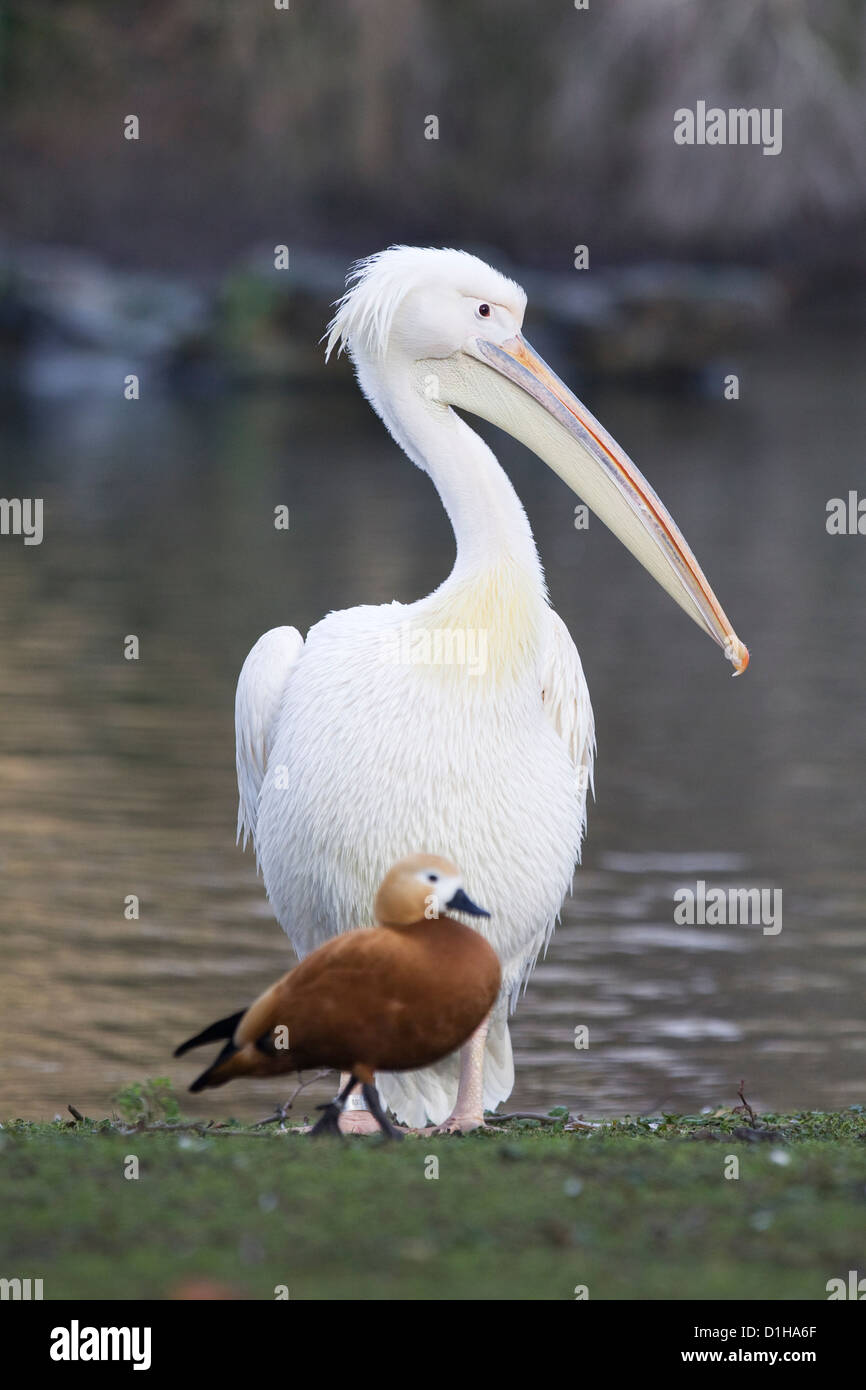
(395, 997)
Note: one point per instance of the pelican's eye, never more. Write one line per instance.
(432, 878)
(483, 311)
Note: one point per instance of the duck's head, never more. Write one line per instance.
(422, 886)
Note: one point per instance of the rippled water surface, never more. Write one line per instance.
(117, 777)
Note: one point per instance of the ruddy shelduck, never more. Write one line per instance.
(395, 997)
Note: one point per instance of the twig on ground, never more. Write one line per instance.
(209, 1129)
(281, 1111)
(753, 1119)
(531, 1115)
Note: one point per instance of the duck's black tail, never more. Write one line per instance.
(224, 1028)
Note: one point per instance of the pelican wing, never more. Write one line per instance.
(261, 686)
(566, 701)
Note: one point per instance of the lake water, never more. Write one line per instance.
(117, 777)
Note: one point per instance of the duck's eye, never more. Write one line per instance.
(432, 878)
(483, 311)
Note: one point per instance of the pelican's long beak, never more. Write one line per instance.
(516, 390)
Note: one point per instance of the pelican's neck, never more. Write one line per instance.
(495, 595)
(491, 529)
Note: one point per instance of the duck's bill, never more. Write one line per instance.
(461, 902)
(512, 387)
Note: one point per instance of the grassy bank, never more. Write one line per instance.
(631, 1209)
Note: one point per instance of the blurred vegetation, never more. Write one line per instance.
(307, 126)
(146, 1102)
(628, 1210)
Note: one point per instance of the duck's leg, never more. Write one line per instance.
(330, 1121)
(468, 1112)
(356, 1116)
(371, 1096)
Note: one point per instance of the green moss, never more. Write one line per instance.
(629, 1210)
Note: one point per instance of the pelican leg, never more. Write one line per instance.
(468, 1112)
(330, 1121)
(357, 1115)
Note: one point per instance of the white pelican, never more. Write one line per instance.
(374, 738)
